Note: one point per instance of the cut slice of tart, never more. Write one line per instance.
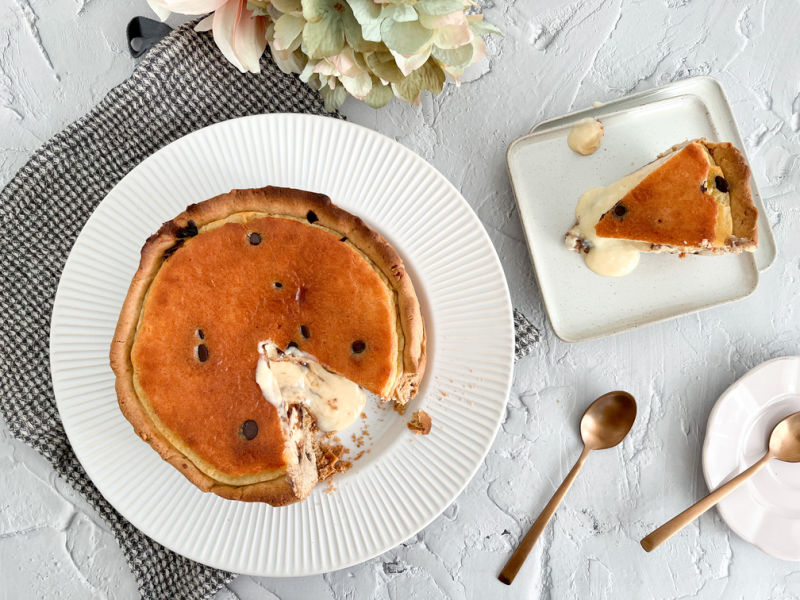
(257, 318)
(694, 199)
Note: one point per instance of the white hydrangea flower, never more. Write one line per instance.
(373, 50)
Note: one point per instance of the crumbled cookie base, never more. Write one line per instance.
(400, 409)
(330, 460)
(420, 423)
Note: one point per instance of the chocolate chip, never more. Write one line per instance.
(358, 347)
(292, 344)
(703, 187)
(249, 429)
(170, 251)
(304, 331)
(312, 216)
(620, 210)
(722, 184)
(200, 334)
(278, 284)
(344, 239)
(202, 353)
(189, 231)
(254, 239)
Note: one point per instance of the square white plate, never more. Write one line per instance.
(548, 178)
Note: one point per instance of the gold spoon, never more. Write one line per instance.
(604, 425)
(784, 444)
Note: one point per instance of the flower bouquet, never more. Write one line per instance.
(372, 50)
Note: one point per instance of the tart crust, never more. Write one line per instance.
(744, 213)
(278, 484)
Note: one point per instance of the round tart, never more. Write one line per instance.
(275, 266)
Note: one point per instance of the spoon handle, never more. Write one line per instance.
(515, 562)
(673, 526)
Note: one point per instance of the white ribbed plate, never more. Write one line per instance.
(405, 481)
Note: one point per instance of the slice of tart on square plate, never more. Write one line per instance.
(694, 199)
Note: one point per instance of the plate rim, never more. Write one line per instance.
(706, 451)
(504, 299)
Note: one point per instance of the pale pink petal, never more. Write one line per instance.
(241, 37)
(192, 7)
(437, 21)
(479, 49)
(205, 24)
(224, 26)
(287, 29)
(455, 72)
(162, 12)
(250, 40)
(345, 63)
(288, 62)
(342, 64)
(358, 86)
(453, 36)
(325, 67)
(407, 64)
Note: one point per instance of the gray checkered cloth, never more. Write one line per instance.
(181, 85)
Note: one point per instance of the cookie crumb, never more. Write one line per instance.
(330, 460)
(420, 423)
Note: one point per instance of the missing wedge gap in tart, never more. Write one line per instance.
(693, 199)
(293, 377)
(256, 320)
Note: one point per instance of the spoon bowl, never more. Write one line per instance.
(784, 442)
(608, 420)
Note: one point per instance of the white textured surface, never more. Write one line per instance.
(464, 301)
(556, 56)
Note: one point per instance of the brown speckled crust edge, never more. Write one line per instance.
(272, 200)
(744, 213)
